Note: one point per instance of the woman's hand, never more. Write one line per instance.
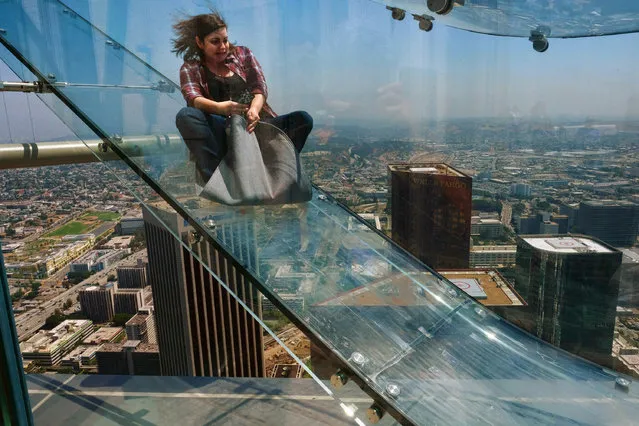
(253, 117)
(229, 108)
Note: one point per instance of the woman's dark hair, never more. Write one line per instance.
(187, 29)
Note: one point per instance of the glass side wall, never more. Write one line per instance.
(548, 153)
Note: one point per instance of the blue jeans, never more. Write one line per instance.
(205, 135)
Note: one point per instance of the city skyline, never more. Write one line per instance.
(257, 291)
(409, 75)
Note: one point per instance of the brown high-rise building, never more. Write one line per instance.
(132, 276)
(128, 300)
(201, 329)
(96, 303)
(431, 206)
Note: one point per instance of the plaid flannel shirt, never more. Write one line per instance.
(241, 61)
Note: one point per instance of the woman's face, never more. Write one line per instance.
(215, 45)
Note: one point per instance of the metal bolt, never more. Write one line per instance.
(393, 390)
(452, 292)
(339, 379)
(3, 31)
(358, 358)
(480, 312)
(51, 77)
(375, 413)
(194, 237)
(623, 384)
(113, 44)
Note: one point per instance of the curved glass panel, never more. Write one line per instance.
(519, 18)
(423, 349)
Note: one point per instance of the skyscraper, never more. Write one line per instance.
(128, 300)
(131, 357)
(132, 276)
(431, 208)
(614, 222)
(96, 303)
(142, 327)
(571, 286)
(201, 329)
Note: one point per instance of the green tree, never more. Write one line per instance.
(54, 319)
(17, 295)
(543, 206)
(518, 209)
(139, 240)
(35, 287)
(120, 320)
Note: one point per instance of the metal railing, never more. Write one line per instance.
(24, 155)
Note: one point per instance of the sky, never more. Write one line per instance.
(348, 60)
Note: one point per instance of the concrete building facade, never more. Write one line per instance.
(431, 208)
(128, 300)
(47, 348)
(96, 303)
(132, 276)
(201, 329)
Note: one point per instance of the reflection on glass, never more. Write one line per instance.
(544, 161)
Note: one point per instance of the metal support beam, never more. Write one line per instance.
(21, 86)
(45, 87)
(15, 156)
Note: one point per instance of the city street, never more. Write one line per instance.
(30, 322)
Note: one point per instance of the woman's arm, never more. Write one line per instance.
(254, 76)
(253, 113)
(258, 102)
(257, 85)
(225, 108)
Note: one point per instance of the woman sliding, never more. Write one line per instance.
(219, 79)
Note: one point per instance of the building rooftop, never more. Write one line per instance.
(81, 351)
(137, 319)
(136, 345)
(104, 334)
(494, 249)
(396, 290)
(567, 245)
(129, 290)
(426, 168)
(47, 341)
(115, 242)
(608, 203)
(488, 286)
